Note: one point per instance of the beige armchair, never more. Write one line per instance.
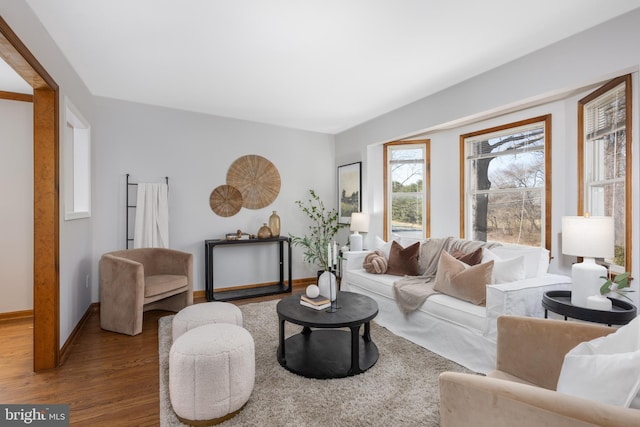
(137, 280)
(521, 391)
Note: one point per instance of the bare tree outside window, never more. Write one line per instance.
(604, 162)
(505, 183)
(406, 197)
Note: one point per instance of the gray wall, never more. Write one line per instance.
(195, 151)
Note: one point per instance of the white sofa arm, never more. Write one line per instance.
(520, 298)
(353, 260)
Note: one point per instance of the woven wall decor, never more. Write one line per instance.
(257, 179)
(225, 200)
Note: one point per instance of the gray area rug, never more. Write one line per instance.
(400, 389)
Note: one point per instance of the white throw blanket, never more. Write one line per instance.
(152, 217)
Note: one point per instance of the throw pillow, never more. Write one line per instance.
(459, 280)
(375, 263)
(403, 261)
(505, 270)
(605, 369)
(383, 246)
(472, 258)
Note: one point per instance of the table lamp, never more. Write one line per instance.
(589, 237)
(359, 223)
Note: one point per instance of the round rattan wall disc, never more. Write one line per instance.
(256, 178)
(225, 200)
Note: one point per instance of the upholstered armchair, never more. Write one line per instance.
(521, 391)
(133, 281)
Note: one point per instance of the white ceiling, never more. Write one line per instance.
(324, 65)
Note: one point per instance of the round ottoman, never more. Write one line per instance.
(203, 314)
(211, 373)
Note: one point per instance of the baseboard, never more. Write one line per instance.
(201, 296)
(64, 351)
(22, 314)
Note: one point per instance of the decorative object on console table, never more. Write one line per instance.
(264, 232)
(359, 223)
(274, 224)
(589, 237)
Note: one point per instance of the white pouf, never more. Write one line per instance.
(203, 314)
(211, 372)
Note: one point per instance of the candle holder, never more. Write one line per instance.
(333, 293)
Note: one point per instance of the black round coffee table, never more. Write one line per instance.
(321, 350)
(559, 302)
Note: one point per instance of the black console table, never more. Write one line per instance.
(222, 295)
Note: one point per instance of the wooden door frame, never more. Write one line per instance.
(46, 199)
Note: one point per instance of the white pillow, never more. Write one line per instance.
(605, 369)
(504, 270)
(536, 259)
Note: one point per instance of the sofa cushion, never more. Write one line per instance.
(536, 259)
(403, 261)
(471, 258)
(505, 270)
(375, 263)
(606, 369)
(442, 306)
(161, 283)
(459, 280)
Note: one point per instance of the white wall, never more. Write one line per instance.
(195, 151)
(548, 81)
(16, 208)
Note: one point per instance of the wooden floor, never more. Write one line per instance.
(108, 379)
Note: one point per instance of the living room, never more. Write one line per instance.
(195, 150)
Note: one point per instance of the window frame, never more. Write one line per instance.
(426, 185)
(77, 136)
(546, 120)
(627, 80)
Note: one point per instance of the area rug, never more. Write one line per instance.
(400, 389)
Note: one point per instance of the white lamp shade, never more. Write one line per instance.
(359, 222)
(588, 236)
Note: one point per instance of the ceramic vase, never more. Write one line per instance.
(274, 224)
(328, 285)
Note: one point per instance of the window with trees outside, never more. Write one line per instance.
(406, 182)
(604, 162)
(506, 183)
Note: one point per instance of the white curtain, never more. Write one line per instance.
(152, 217)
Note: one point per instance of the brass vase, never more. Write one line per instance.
(264, 232)
(274, 224)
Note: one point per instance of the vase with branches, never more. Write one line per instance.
(618, 285)
(321, 232)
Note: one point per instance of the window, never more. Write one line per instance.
(506, 183)
(77, 165)
(604, 162)
(406, 181)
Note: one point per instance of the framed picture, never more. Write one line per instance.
(349, 191)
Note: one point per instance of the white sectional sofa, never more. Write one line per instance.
(453, 328)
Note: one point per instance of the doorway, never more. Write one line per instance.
(46, 278)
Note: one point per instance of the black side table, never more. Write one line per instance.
(559, 302)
